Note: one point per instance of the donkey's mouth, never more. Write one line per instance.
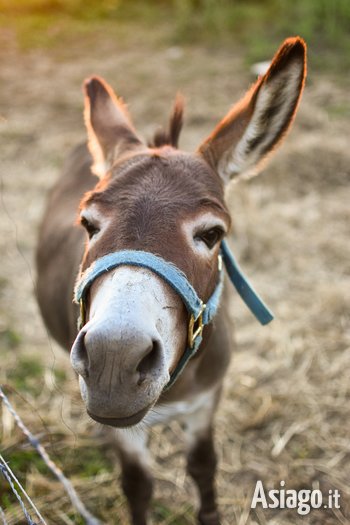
(121, 422)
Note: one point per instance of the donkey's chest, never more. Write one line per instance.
(182, 411)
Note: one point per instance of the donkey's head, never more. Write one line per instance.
(159, 200)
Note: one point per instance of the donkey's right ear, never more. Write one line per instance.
(257, 124)
(109, 127)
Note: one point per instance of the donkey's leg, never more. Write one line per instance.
(201, 458)
(136, 477)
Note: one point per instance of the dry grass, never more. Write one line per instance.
(285, 410)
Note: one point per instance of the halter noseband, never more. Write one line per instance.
(200, 314)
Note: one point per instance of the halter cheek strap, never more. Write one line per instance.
(200, 314)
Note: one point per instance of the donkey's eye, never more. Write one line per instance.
(210, 237)
(91, 228)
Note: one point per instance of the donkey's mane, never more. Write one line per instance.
(170, 135)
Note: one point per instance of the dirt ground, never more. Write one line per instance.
(285, 412)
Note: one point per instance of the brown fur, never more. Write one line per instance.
(148, 192)
(171, 135)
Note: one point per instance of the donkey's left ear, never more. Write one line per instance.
(110, 130)
(254, 126)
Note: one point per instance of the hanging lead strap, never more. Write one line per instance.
(244, 288)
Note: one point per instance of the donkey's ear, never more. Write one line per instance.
(254, 126)
(109, 127)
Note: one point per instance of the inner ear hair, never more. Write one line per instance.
(257, 124)
(110, 130)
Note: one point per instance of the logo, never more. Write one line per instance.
(303, 500)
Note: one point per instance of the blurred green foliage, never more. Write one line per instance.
(258, 25)
(20, 459)
(165, 514)
(9, 338)
(88, 462)
(27, 376)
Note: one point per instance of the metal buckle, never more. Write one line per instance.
(219, 262)
(195, 327)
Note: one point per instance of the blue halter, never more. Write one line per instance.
(200, 314)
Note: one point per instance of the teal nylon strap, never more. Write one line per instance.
(244, 288)
(166, 270)
(179, 282)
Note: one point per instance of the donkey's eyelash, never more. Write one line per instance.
(91, 228)
(202, 231)
(210, 236)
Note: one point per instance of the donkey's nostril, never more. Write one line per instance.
(79, 356)
(149, 363)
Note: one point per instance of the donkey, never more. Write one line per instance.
(147, 265)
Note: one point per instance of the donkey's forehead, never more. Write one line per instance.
(165, 176)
